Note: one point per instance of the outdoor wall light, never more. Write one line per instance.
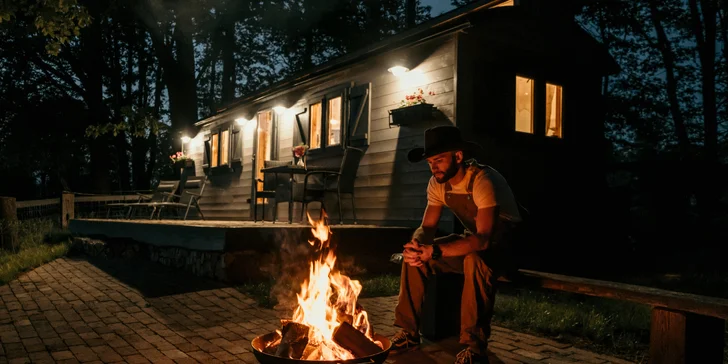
(241, 121)
(185, 139)
(398, 70)
(279, 109)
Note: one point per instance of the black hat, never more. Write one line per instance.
(441, 139)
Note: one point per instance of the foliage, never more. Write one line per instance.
(300, 150)
(58, 20)
(178, 157)
(40, 242)
(415, 98)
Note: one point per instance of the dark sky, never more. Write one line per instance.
(438, 6)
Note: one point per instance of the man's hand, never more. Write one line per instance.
(416, 254)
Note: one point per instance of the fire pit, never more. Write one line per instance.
(259, 344)
(327, 325)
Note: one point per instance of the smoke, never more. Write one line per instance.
(291, 268)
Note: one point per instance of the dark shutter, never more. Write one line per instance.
(208, 152)
(236, 141)
(300, 126)
(358, 122)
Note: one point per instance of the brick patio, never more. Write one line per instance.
(76, 310)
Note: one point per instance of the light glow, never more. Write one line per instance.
(185, 139)
(398, 70)
(241, 121)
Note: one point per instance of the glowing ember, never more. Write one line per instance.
(326, 299)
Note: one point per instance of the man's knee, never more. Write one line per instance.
(474, 263)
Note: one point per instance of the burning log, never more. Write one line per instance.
(294, 339)
(353, 340)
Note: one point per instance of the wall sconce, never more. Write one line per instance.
(185, 139)
(241, 121)
(279, 109)
(398, 70)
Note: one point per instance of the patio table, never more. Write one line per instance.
(292, 170)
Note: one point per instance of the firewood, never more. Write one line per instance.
(293, 340)
(353, 340)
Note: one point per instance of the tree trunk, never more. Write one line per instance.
(228, 61)
(184, 108)
(668, 58)
(93, 61)
(410, 11)
(152, 141)
(8, 224)
(139, 143)
(703, 23)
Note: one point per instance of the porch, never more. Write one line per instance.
(237, 251)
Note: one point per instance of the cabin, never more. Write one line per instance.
(521, 78)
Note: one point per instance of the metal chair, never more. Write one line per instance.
(271, 186)
(192, 193)
(343, 183)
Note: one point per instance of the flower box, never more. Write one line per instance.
(410, 115)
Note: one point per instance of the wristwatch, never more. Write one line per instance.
(436, 252)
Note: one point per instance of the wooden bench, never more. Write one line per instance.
(685, 328)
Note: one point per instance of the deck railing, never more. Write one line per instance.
(84, 206)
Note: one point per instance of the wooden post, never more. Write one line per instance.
(8, 224)
(67, 201)
(678, 337)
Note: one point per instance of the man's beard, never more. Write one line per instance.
(451, 171)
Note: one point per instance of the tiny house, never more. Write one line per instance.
(522, 79)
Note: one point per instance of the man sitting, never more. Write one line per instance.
(482, 200)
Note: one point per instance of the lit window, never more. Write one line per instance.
(524, 104)
(333, 125)
(315, 126)
(215, 149)
(553, 110)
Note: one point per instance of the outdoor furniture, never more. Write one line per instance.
(343, 183)
(190, 194)
(160, 194)
(270, 189)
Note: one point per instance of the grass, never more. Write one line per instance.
(40, 242)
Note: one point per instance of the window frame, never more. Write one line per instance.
(538, 111)
(323, 98)
(218, 130)
(547, 82)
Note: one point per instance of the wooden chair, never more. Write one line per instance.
(161, 194)
(191, 193)
(343, 183)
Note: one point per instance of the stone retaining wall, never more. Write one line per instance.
(204, 264)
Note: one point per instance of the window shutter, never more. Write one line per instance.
(236, 144)
(359, 111)
(301, 126)
(208, 153)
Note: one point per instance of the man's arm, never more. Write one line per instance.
(425, 234)
(485, 220)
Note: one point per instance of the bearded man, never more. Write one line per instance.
(482, 200)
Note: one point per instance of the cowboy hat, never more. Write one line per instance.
(441, 139)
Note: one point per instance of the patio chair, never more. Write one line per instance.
(160, 194)
(343, 183)
(191, 193)
(271, 187)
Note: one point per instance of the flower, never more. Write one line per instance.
(178, 157)
(299, 150)
(415, 98)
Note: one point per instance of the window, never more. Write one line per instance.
(333, 121)
(218, 148)
(553, 110)
(524, 105)
(266, 143)
(316, 126)
(334, 118)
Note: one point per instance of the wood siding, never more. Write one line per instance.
(389, 190)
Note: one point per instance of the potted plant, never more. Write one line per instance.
(299, 154)
(182, 161)
(412, 109)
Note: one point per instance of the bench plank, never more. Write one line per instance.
(676, 301)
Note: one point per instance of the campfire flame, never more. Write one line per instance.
(325, 297)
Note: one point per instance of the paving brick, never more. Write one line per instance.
(136, 359)
(223, 355)
(83, 353)
(106, 353)
(61, 355)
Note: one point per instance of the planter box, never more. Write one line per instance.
(410, 115)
